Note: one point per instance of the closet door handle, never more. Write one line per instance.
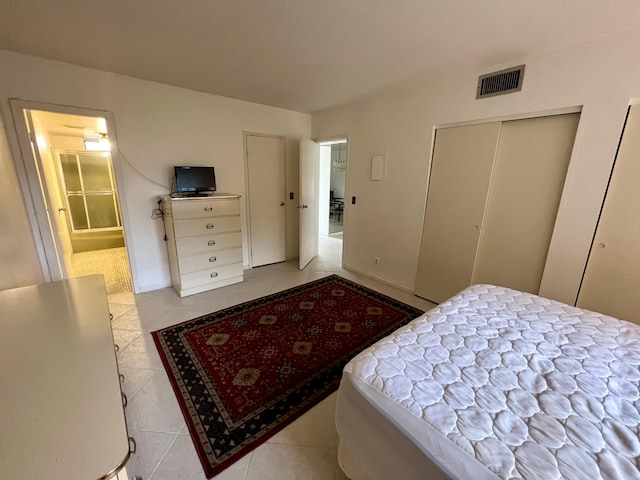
(601, 245)
(209, 226)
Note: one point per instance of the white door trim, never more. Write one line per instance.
(44, 237)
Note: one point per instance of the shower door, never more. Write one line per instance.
(90, 191)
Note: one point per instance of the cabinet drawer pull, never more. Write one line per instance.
(214, 274)
(209, 226)
(116, 347)
(208, 209)
(211, 243)
(124, 400)
(212, 259)
(132, 445)
(121, 378)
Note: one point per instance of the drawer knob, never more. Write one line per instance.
(212, 259)
(214, 274)
(211, 243)
(209, 226)
(208, 209)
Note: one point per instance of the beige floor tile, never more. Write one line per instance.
(123, 338)
(292, 462)
(151, 448)
(124, 298)
(128, 321)
(182, 462)
(155, 408)
(141, 353)
(117, 309)
(316, 428)
(134, 379)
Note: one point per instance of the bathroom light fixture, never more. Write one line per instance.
(101, 145)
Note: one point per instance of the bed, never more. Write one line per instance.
(495, 384)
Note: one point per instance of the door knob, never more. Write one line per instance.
(282, 204)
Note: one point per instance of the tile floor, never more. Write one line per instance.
(306, 449)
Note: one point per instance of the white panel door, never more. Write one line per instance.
(611, 282)
(528, 177)
(308, 203)
(266, 199)
(460, 176)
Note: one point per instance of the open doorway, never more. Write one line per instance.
(331, 191)
(70, 166)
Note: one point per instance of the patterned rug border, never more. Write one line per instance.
(293, 414)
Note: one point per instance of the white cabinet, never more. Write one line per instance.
(612, 278)
(204, 242)
(62, 407)
(491, 206)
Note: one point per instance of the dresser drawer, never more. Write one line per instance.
(209, 260)
(208, 243)
(204, 226)
(211, 275)
(205, 207)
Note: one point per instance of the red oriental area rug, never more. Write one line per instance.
(243, 373)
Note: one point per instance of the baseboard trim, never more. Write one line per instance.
(151, 288)
(377, 279)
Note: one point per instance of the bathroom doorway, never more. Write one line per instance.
(74, 172)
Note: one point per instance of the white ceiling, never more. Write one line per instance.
(304, 55)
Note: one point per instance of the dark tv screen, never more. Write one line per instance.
(195, 180)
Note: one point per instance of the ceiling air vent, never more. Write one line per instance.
(499, 83)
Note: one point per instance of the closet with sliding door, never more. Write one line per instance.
(492, 201)
(611, 281)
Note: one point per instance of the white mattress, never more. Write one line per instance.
(496, 383)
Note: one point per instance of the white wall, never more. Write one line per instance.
(19, 263)
(158, 126)
(601, 77)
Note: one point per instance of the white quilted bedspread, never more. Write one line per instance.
(531, 387)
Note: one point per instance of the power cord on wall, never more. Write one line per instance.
(159, 213)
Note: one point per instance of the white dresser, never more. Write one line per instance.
(204, 241)
(62, 407)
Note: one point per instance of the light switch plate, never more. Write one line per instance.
(377, 167)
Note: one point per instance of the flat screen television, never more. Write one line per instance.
(195, 180)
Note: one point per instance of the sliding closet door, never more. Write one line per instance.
(528, 177)
(611, 282)
(460, 176)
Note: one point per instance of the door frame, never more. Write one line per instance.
(245, 134)
(36, 199)
(328, 140)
